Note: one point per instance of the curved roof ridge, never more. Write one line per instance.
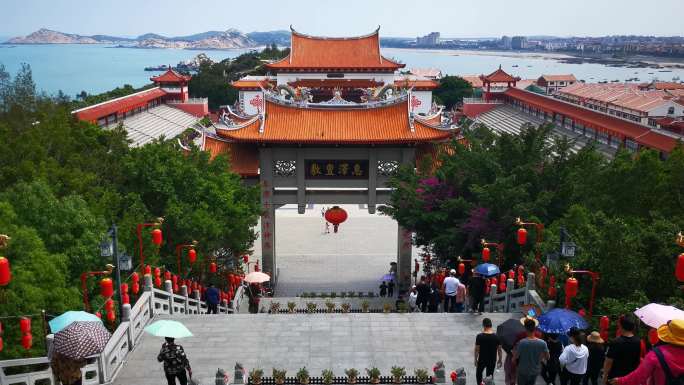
(307, 36)
(337, 107)
(240, 125)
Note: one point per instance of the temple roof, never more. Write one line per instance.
(378, 125)
(417, 84)
(122, 104)
(499, 76)
(244, 158)
(361, 53)
(171, 76)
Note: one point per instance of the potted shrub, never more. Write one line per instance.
(345, 307)
(352, 374)
(421, 376)
(303, 376)
(386, 308)
(279, 376)
(365, 305)
(397, 373)
(327, 376)
(304, 295)
(311, 307)
(255, 376)
(402, 308)
(291, 306)
(330, 305)
(374, 375)
(275, 307)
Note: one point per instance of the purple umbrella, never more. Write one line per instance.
(387, 277)
(80, 340)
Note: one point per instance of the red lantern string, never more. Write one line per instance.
(157, 237)
(106, 287)
(5, 272)
(522, 236)
(486, 253)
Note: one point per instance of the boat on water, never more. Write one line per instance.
(515, 66)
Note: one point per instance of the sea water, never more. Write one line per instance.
(96, 68)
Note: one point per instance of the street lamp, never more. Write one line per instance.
(594, 281)
(156, 238)
(84, 282)
(192, 254)
(499, 250)
(522, 236)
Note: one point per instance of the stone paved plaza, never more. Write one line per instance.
(317, 341)
(354, 259)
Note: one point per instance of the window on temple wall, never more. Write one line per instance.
(671, 111)
(603, 137)
(631, 145)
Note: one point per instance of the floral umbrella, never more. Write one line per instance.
(81, 339)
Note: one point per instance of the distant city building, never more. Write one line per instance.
(553, 83)
(505, 42)
(428, 40)
(519, 42)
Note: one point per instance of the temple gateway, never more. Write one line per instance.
(329, 124)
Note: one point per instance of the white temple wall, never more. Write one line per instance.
(246, 99)
(425, 98)
(284, 78)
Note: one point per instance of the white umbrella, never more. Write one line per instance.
(656, 315)
(257, 277)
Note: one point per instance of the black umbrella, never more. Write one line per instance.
(509, 332)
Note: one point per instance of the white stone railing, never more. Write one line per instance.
(512, 300)
(103, 368)
(480, 101)
(189, 101)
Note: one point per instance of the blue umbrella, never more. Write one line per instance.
(387, 277)
(66, 319)
(487, 269)
(560, 321)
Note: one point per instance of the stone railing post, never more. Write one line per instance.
(510, 284)
(168, 287)
(492, 293)
(529, 285)
(550, 304)
(148, 286)
(196, 295)
(184, 293)
(126, 312)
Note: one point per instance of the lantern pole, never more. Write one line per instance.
(179, 250)
(139, 228)
(499, 250)
(594, 282)
(113, 232)
(539, 229)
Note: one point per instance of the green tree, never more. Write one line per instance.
(452, 90)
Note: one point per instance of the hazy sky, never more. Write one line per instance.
(453, 18)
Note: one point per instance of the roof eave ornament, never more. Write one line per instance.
(412, 127)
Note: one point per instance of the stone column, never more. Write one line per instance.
(372, 179)
(404, 249)
(510, 283)
(168, 287)
(529, 285)
(268, 256)
(184, 293)
(301, 182)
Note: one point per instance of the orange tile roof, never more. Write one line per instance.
(170, 76)
(118, 105)
(596, 120)
(244, 159)
(379, 125)
(618, 94)
(662, 86)
(559, 78)
(499, 76)
(325, 53)
(249, 84)
(418, 84)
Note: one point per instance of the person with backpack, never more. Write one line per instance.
(664, 364)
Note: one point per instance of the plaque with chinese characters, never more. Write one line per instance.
(336, 169)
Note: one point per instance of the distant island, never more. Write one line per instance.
(228, 39)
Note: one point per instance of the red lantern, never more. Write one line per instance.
(174, 279)
(521, 270)
(157, 272)
(1, 344)
(27, 341)
(25, 325)
(212, 267)
(486, 253)
(125, 298)
(109, 305)
(135, 288)
(511, 274)
(521, 280)
(98, 315)
(552, 292)
(552, 281)
(453, 376)
(502, 278)
(157, 282)
(245, 258)
(502, 286)
(582, 313)
(604, 323)
(167, 275)
(604, 335)
(106, 287)
(335, 216)
(679, 269)
(175, 288)
(135, 278)
(148, 269)
(543, 271)
(653, 336)
(192, 255)
(157, 237)
(5, 272)
(522, 236)
(461, 268)
(124, 288)
(111, 316)
(571, 287)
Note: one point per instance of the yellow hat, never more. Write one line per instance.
(672, 332)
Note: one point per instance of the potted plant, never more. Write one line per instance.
(291, 306)
(402, 308)
(255, 376)
(352, 374)
(303, 376)
(333, 294)
(330, 305)
(328, 376)
(345, 307)
(279, 376)
(386, 308)
(311, 307)
(421, 376)
(374, 375)
(275, 307)
(397, 373)
(365, 305)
